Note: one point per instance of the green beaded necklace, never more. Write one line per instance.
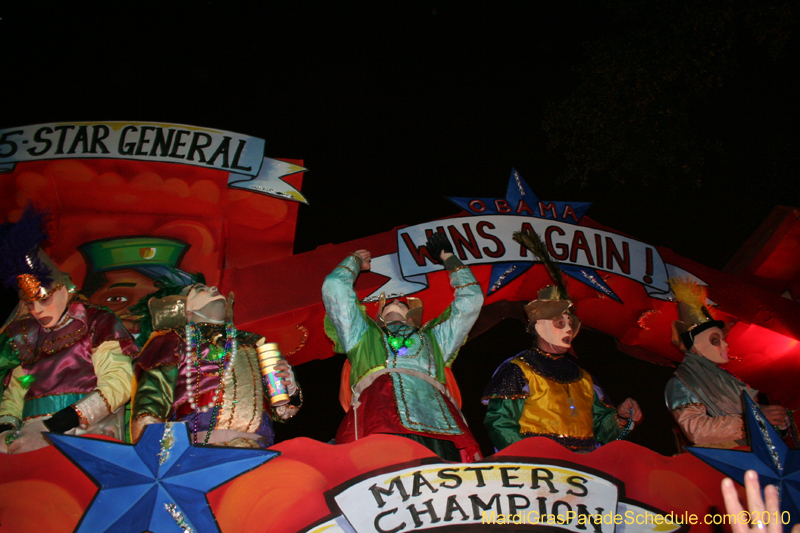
(399, 344)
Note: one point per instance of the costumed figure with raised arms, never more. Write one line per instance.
(196, 367)
(705, 400)
(74, 358)
(542, 392)
(397, 363)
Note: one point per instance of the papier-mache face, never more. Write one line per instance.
(49, 310)
(123, 289)
(206, 303)
(404, 309)
(395, 311)
(711, 344)
(556, 335)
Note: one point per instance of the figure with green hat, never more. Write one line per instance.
(120, 271)
(542, 392)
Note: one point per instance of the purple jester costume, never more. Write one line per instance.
(74, 359)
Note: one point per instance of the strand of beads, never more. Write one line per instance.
(231, 347)
(627, 427)
(225, 378)
(194, 373)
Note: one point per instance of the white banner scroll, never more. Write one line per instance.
(488, 240)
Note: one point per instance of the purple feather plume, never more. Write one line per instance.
(21, 241)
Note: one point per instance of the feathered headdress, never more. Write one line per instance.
(693, 315)
(23, 264)
(551, 301)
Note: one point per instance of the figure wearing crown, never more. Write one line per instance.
(705, 400)
(542, 392)
(74, 371)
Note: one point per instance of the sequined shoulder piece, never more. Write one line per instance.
(508, 383)
(246, 338)
(32, 340)
(216, 333)
(558, 368)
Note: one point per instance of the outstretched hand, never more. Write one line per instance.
(760, 515)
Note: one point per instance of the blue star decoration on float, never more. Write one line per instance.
(772, 460)
(159, 484)
(521, 201)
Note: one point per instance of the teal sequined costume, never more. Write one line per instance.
(398, 403)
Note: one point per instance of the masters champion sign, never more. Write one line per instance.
(471, 497)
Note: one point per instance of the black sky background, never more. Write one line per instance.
(393, 106)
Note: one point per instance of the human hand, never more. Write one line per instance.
(624, 411)
(30, 437)
(760, 515)
(776, 415)
(139, 424)
(439, 247)
(285, 372)
(366, 259)
(6, 438)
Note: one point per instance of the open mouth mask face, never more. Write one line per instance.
(557, 333)
(207, 303)
(395, 311)
(711, 345)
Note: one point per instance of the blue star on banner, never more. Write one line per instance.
(772, 460)
(521, 201)
(158, 485)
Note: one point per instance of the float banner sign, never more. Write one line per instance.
(489, 239)
(434, 496)
(144, 141)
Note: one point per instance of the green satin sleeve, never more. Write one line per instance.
(8, 360)
(502, 421)
(606, 428)
(155, 391)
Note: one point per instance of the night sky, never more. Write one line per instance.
(393, 107)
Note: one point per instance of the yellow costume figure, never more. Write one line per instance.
(542, 391)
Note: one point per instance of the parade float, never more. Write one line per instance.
(132, 202)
